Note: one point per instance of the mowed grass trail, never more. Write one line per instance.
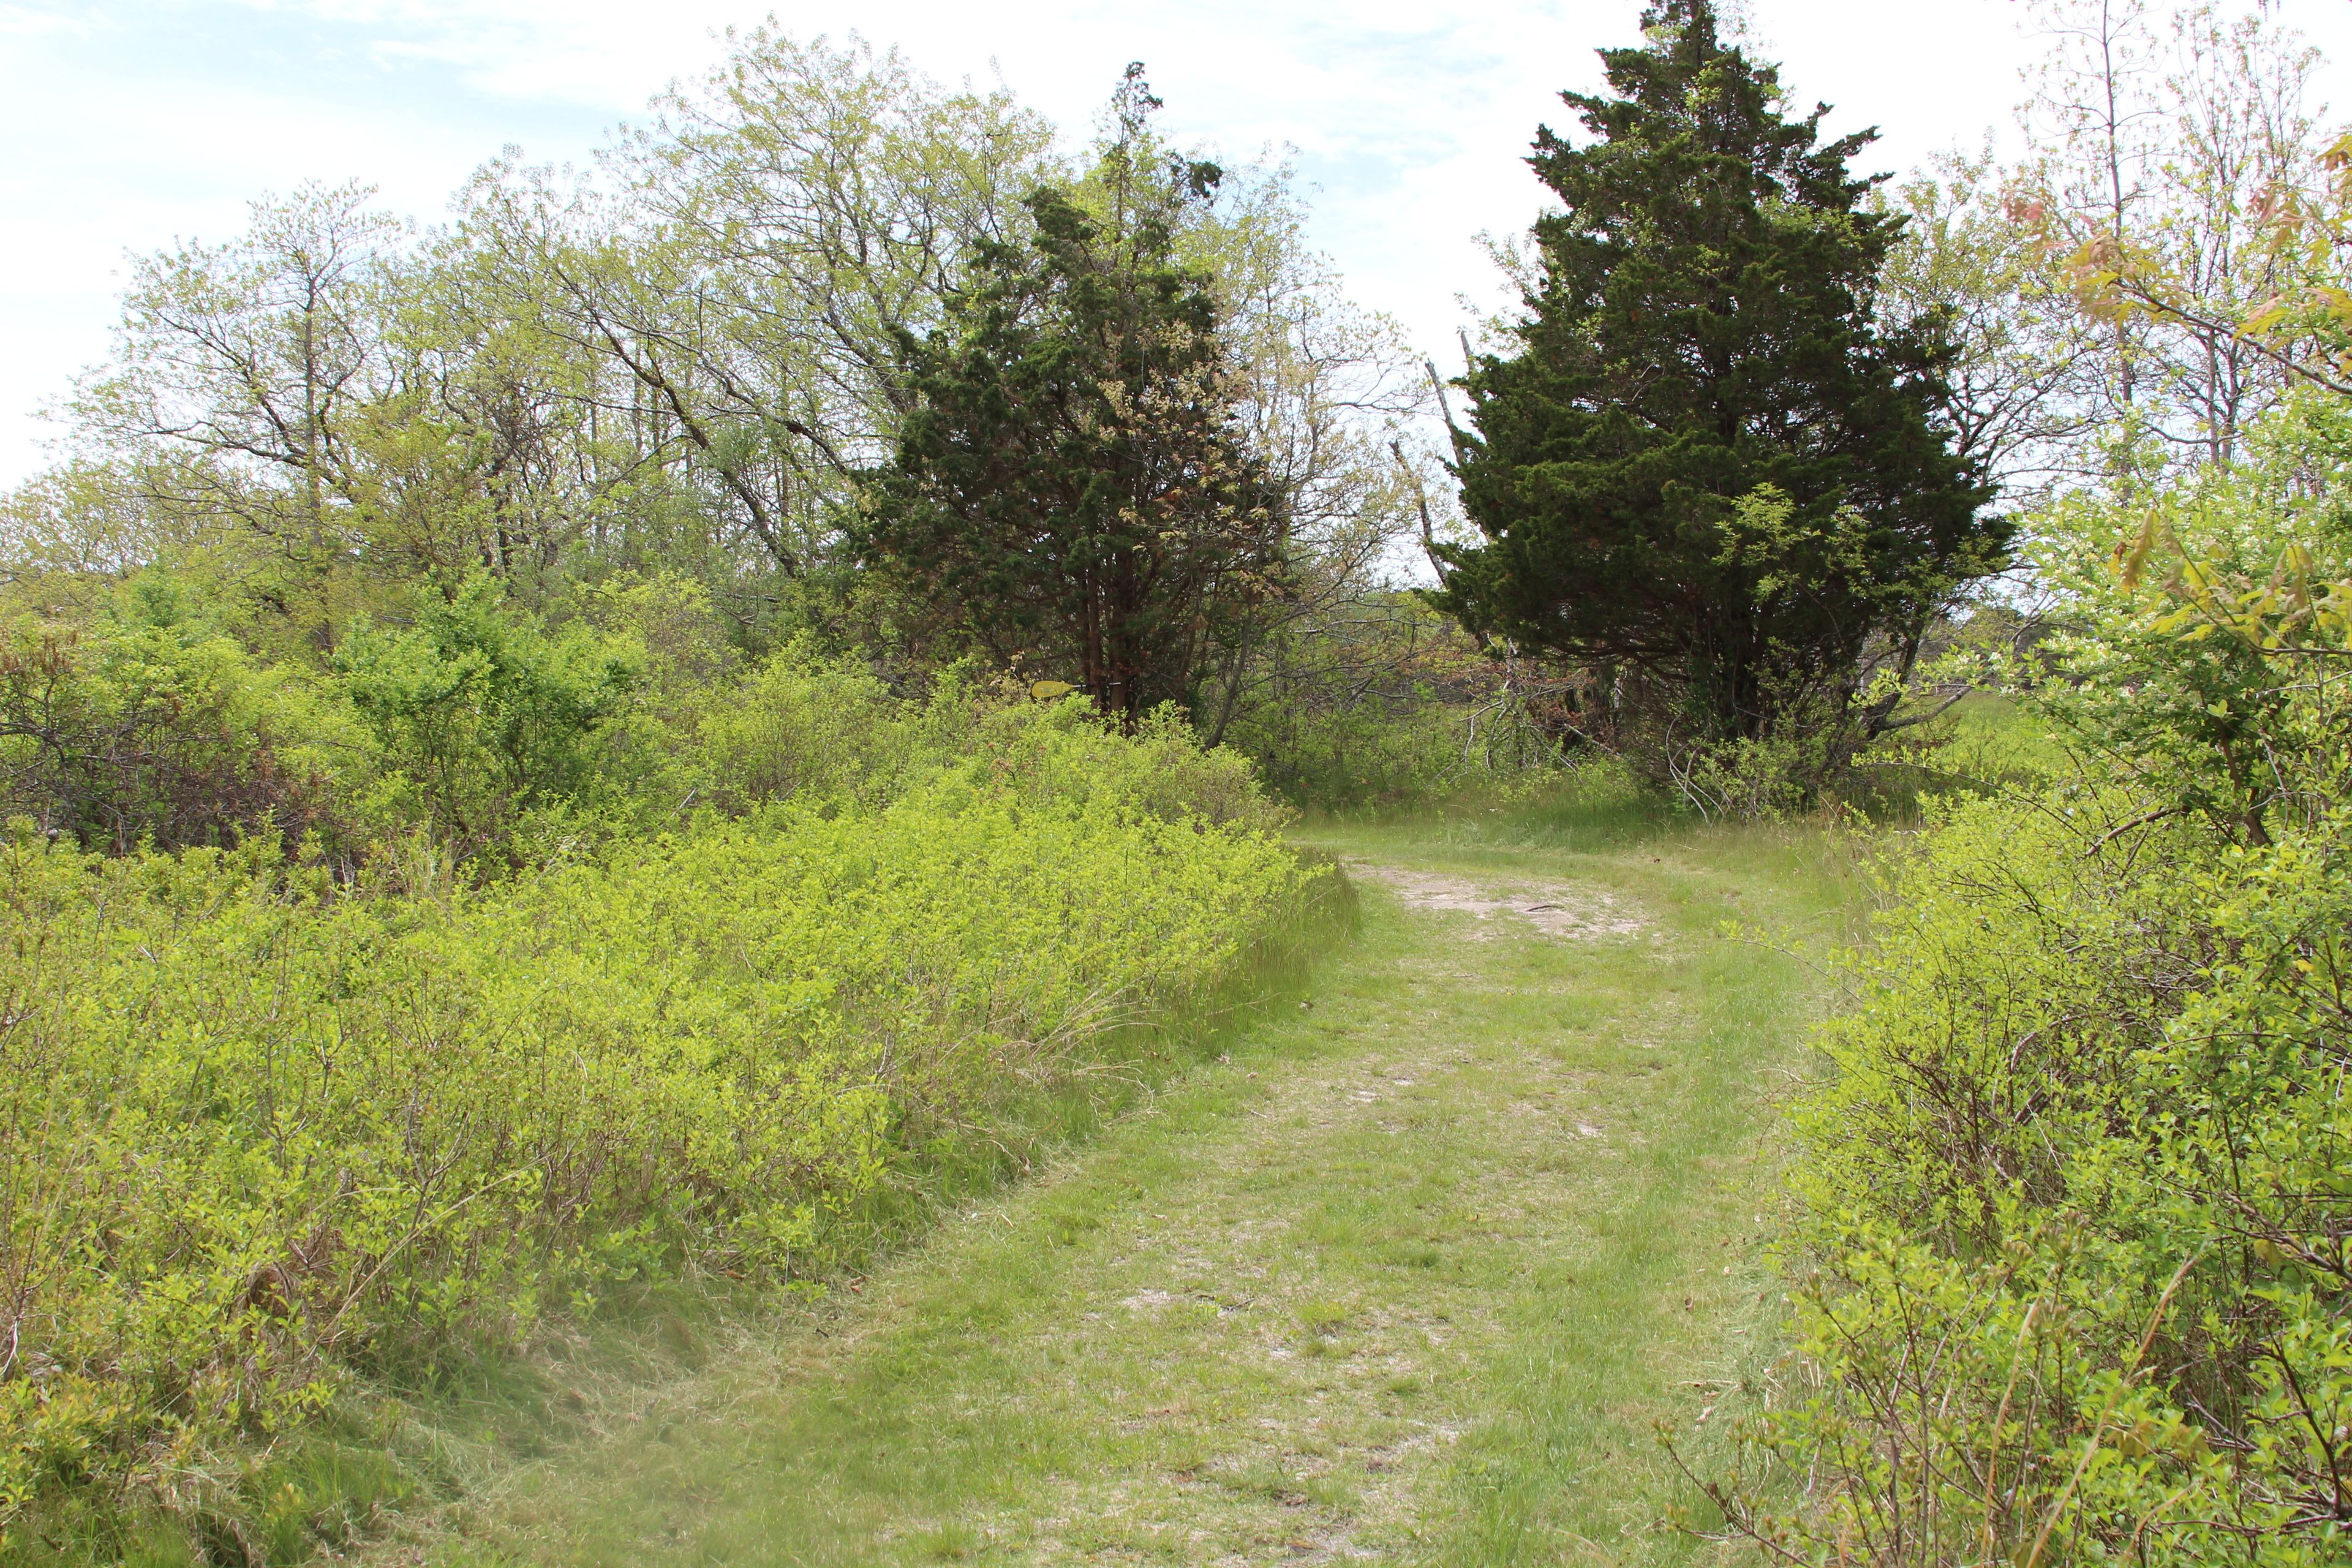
(1411, 1277)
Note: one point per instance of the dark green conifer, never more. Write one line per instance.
(1705, 459)
(1072, 488)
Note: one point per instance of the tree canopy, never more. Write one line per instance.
(1074, 489)
(1703, 457)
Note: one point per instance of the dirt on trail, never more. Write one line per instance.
(1555, 908)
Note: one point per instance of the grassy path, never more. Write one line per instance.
(1407, 1278)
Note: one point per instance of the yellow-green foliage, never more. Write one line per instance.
(2076, 1200)
(806, 729)
(258, 1133)
(2078, 1191)
(145, 725)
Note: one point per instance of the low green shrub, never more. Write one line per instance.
(263, 1138)
(2071, 1269)
(831, 735)
(148, 726)
(480, 716)
(2075, 1202)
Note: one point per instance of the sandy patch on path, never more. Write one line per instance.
(1554, 908)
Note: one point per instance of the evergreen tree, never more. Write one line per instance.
(1705, 459)
(1072, 488)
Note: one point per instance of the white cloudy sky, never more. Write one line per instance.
(127, 123)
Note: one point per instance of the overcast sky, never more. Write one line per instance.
(128, 124)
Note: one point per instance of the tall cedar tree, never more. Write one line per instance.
(1072, 489)
(1705, 462)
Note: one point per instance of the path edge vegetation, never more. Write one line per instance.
(464, 1434)
(698, 1432)
(742, 1052)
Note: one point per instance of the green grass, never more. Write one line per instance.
(1413, 1266)
(1994, 738)
(1986, 743)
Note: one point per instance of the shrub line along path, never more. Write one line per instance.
(1409, 1273)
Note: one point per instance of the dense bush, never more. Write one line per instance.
(144, 725)
(480, 717)
(2078, 1194)
(807, 730)
(266, 1135)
